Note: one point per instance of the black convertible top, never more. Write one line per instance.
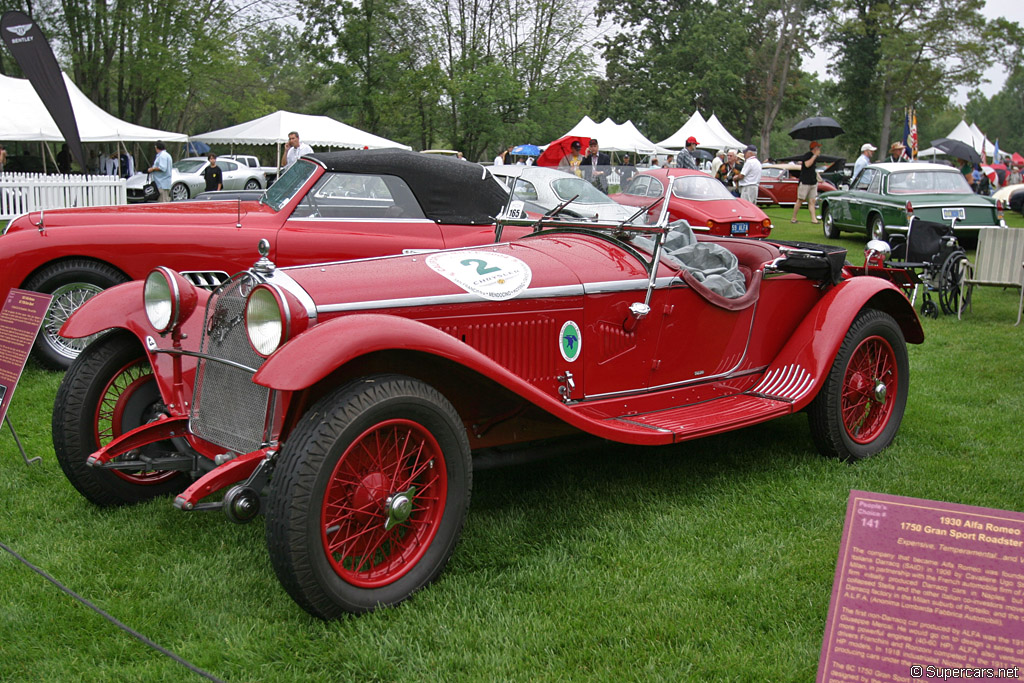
(449, 190)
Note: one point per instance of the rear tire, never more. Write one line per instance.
(876, 228)
(71, 283)
(859, 407)
(109, 390)
(179, 191)
(369, 496)
(252, 184)
(828, 224)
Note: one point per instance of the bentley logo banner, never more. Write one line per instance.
(30, 49)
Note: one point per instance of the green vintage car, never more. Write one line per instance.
(883, 195)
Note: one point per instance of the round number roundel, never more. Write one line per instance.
(570, 341)
(489, 274)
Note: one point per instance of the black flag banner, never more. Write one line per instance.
(31, 50)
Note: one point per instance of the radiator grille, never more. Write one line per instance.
(228, 409)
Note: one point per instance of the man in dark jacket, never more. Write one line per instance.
(596, 166)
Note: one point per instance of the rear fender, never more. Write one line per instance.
(804, 362)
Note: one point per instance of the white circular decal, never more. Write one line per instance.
(570, 341)
(488, 274)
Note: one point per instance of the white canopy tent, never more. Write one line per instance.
(616, 137)
(23, 117)
(970, 135)
(322, 131)
(698, 128)
(718, 129)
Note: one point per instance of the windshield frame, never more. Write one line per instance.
(288, 184)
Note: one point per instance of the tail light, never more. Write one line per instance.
(766, 223)
(910, 209)
(999, 209)
(711, 225)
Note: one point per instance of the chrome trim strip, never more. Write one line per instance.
(531, 293)
(441, 300)
(285, 282)
(387, 256)
(205, 356)
(322, 219)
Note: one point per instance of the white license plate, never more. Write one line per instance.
(740, 228)
(950, 214)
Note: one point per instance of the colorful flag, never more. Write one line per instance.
(995, 152)
(912, 142)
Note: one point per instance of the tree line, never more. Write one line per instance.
(475, 75)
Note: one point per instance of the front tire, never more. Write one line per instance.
(71, 283)
(179, 191)
(369, 496)
(109, 390)
(859, 407)
(252, 184)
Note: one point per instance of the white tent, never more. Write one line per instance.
(23, 117)
(718, 129)
(616, 137)
(970, 135)
(322, 131)
(698, 128)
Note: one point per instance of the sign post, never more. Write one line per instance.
(20, 320)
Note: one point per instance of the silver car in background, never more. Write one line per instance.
(187, 178)
(548, 187)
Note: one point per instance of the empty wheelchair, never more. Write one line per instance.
(932, 251)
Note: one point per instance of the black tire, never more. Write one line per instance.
(110, 379)
(253, 184)
(848, 418)
(876, 228)
(950, 282)
(179, 192)
(341, 452)
(828, 224)
(71, 283)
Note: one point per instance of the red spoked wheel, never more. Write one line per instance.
(130, 399)
(369, 496)
(109, 390)
(869, 389)
(860, 405)
(384, 503)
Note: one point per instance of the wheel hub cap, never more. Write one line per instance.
(880, 392)
(398, 507)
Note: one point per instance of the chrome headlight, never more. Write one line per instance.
(168, 298)
(273, 315)
(264, 321)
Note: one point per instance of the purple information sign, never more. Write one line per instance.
(20, 320)
(925, 591)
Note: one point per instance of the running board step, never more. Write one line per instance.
(707, 417)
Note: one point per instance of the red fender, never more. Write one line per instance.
(120, 306)
(804, 362)
(316, 353)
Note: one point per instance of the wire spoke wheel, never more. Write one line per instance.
(383, 503)
(869, 389)
(130, 399)
(66, 300)
(860, 404)
(950, 282)
(369, 496)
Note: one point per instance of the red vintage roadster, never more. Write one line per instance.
(346, 401)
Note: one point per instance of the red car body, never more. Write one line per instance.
(345, 401)
(707, 207)
(779, 183)
(370, 203)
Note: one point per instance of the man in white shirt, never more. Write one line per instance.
(866, 150)
(717, 162)
(749, 176)
(294, 150)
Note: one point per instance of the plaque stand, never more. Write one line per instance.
(24, 456)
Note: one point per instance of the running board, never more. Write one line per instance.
(707, 417)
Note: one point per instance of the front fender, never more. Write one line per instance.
(813, 346)
(117, 307)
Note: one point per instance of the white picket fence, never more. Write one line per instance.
(24, 192)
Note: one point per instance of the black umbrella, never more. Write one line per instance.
(816, 128)
(703, 154)
(958, 149)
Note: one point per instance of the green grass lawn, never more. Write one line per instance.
(708, 561)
